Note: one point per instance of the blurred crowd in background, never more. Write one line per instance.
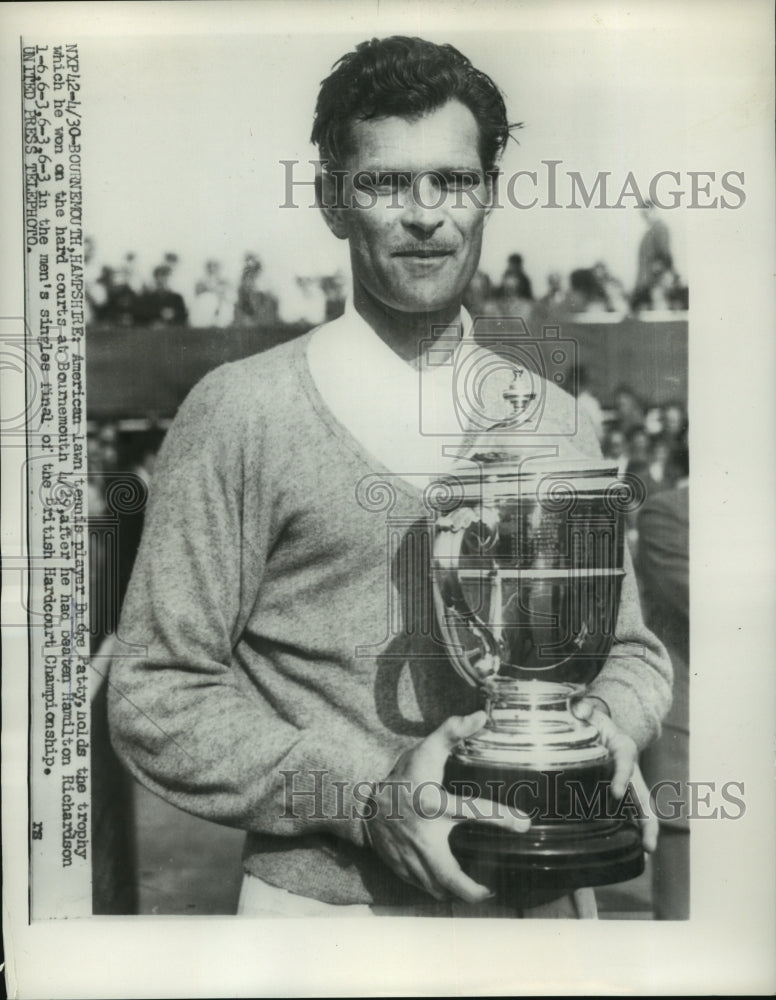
(121, 294)
(590, 292)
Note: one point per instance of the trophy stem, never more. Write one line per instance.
(531, 724)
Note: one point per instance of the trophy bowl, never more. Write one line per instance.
(527, 572)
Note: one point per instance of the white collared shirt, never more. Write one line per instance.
(405, 416)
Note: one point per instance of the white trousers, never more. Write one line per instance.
(260, 899)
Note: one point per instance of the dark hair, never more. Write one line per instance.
(406, 77)
(583, 281)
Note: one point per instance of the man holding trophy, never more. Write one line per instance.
(354, 537)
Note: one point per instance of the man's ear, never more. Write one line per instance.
(329, 197)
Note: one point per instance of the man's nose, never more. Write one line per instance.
(424, 210)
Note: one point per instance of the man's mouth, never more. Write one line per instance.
(424, 253)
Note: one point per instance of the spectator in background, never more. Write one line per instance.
(613, 447)
(637, 444)
(160, 306)
(637, 468)
(213, 303)
(629, 411)
(587, 401)
(522, 283)
(554, 297)
(660, 448)
(254, 307)
(653, 420)
(333, 286)
(663, 565)
(146, 446)
(478, 295)
(669, 294)
(510, 300)
(120, 304)
(127, 273)
(314, 299)
(108, 438)
(303, 302)
(175, 281)
(664, 291)
(95, 292)
(611, 291)
(584, 294)
(674, 420)
(171, 260)
(95, 495)
(655, 244)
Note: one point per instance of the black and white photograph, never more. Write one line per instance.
(387, 498)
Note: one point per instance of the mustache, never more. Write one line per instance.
(424, 250)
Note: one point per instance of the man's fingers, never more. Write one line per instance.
(428, 863)
(457, 883)
(418, 873)
(582, 709)
(455, 729)
(487, 811)
(626, 770)
(624, 751)
(622, 773)
(650, 829)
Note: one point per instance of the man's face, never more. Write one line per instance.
(615, 444)
(416, 198)
(639, 447)
(673, 419)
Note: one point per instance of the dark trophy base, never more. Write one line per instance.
(550, 859)
(564, 849)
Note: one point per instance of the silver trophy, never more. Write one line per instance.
(527, 574)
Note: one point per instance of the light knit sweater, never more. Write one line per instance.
(277, 628)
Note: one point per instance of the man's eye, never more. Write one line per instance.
(461, 180)
(390, 183)
(383, 183)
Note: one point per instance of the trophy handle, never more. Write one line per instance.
(449, 598)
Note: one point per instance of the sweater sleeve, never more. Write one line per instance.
(636, 680)
(185, 718)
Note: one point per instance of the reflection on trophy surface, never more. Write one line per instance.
(527, 573)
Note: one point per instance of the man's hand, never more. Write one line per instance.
(626, 768)
(414, 816)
